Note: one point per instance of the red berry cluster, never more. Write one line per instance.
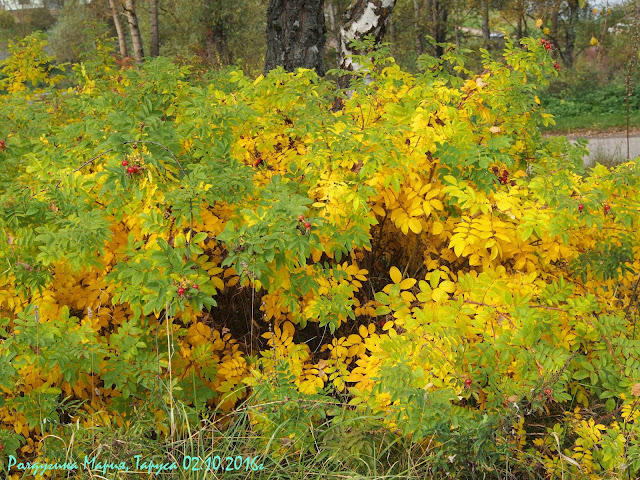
(504, 178)
(181, 290)
(131, 169)
(2, 145)
(548, 46)
(546, 43)
(303, 223)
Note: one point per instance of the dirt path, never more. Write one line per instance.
(609, 146)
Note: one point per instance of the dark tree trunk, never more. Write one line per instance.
(439, 12)
(218, 45)
(295, 35)
(416, 27)
(136, 39)
(122, 39)
(364, 17)
(154, 34)
(521, 19)
(570, 33)
(486, 33)
(555, 14)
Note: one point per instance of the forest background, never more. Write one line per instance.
(384, 265)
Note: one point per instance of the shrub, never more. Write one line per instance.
(411, 252)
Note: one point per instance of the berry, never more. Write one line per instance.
(196, 286)
(300, 218)
(307, 225)
(581, 207)
(542, 41)
(557, 67)
(382, 322)
(257, 162)
(468, 382)
(547, 391)
(130, 169)
(513, 183)
(136, 169)
(124, 163)
(607, 208)
(495, 170)
(2, 145)
(505, 174)
(181, 291)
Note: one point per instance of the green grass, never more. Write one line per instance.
(595, 122)
(360, 454)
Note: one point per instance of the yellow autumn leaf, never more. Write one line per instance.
(594, 41)
(218, 283)
(396, 276)
(438, 295)
(434, 278)
(426, 206)
(458, 244)
(407, 283)
(437, 204)
(362, 330)
(414, 225)
(538, 23)
(447, 286)
(407, 296)
(378, 210)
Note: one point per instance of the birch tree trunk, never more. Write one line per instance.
(136, 39)
(154, 34)
(122, 39)
(295, 35)
(335, 38)
(364, 17)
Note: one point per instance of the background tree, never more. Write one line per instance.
(77, 26)
(154, 34)
(218, 23)
(122, 38)
(295, 35)
(364, 17)
(134, 30)
(562, 22)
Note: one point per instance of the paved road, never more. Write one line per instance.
(610, 146)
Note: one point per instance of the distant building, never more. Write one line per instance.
(619, 28)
